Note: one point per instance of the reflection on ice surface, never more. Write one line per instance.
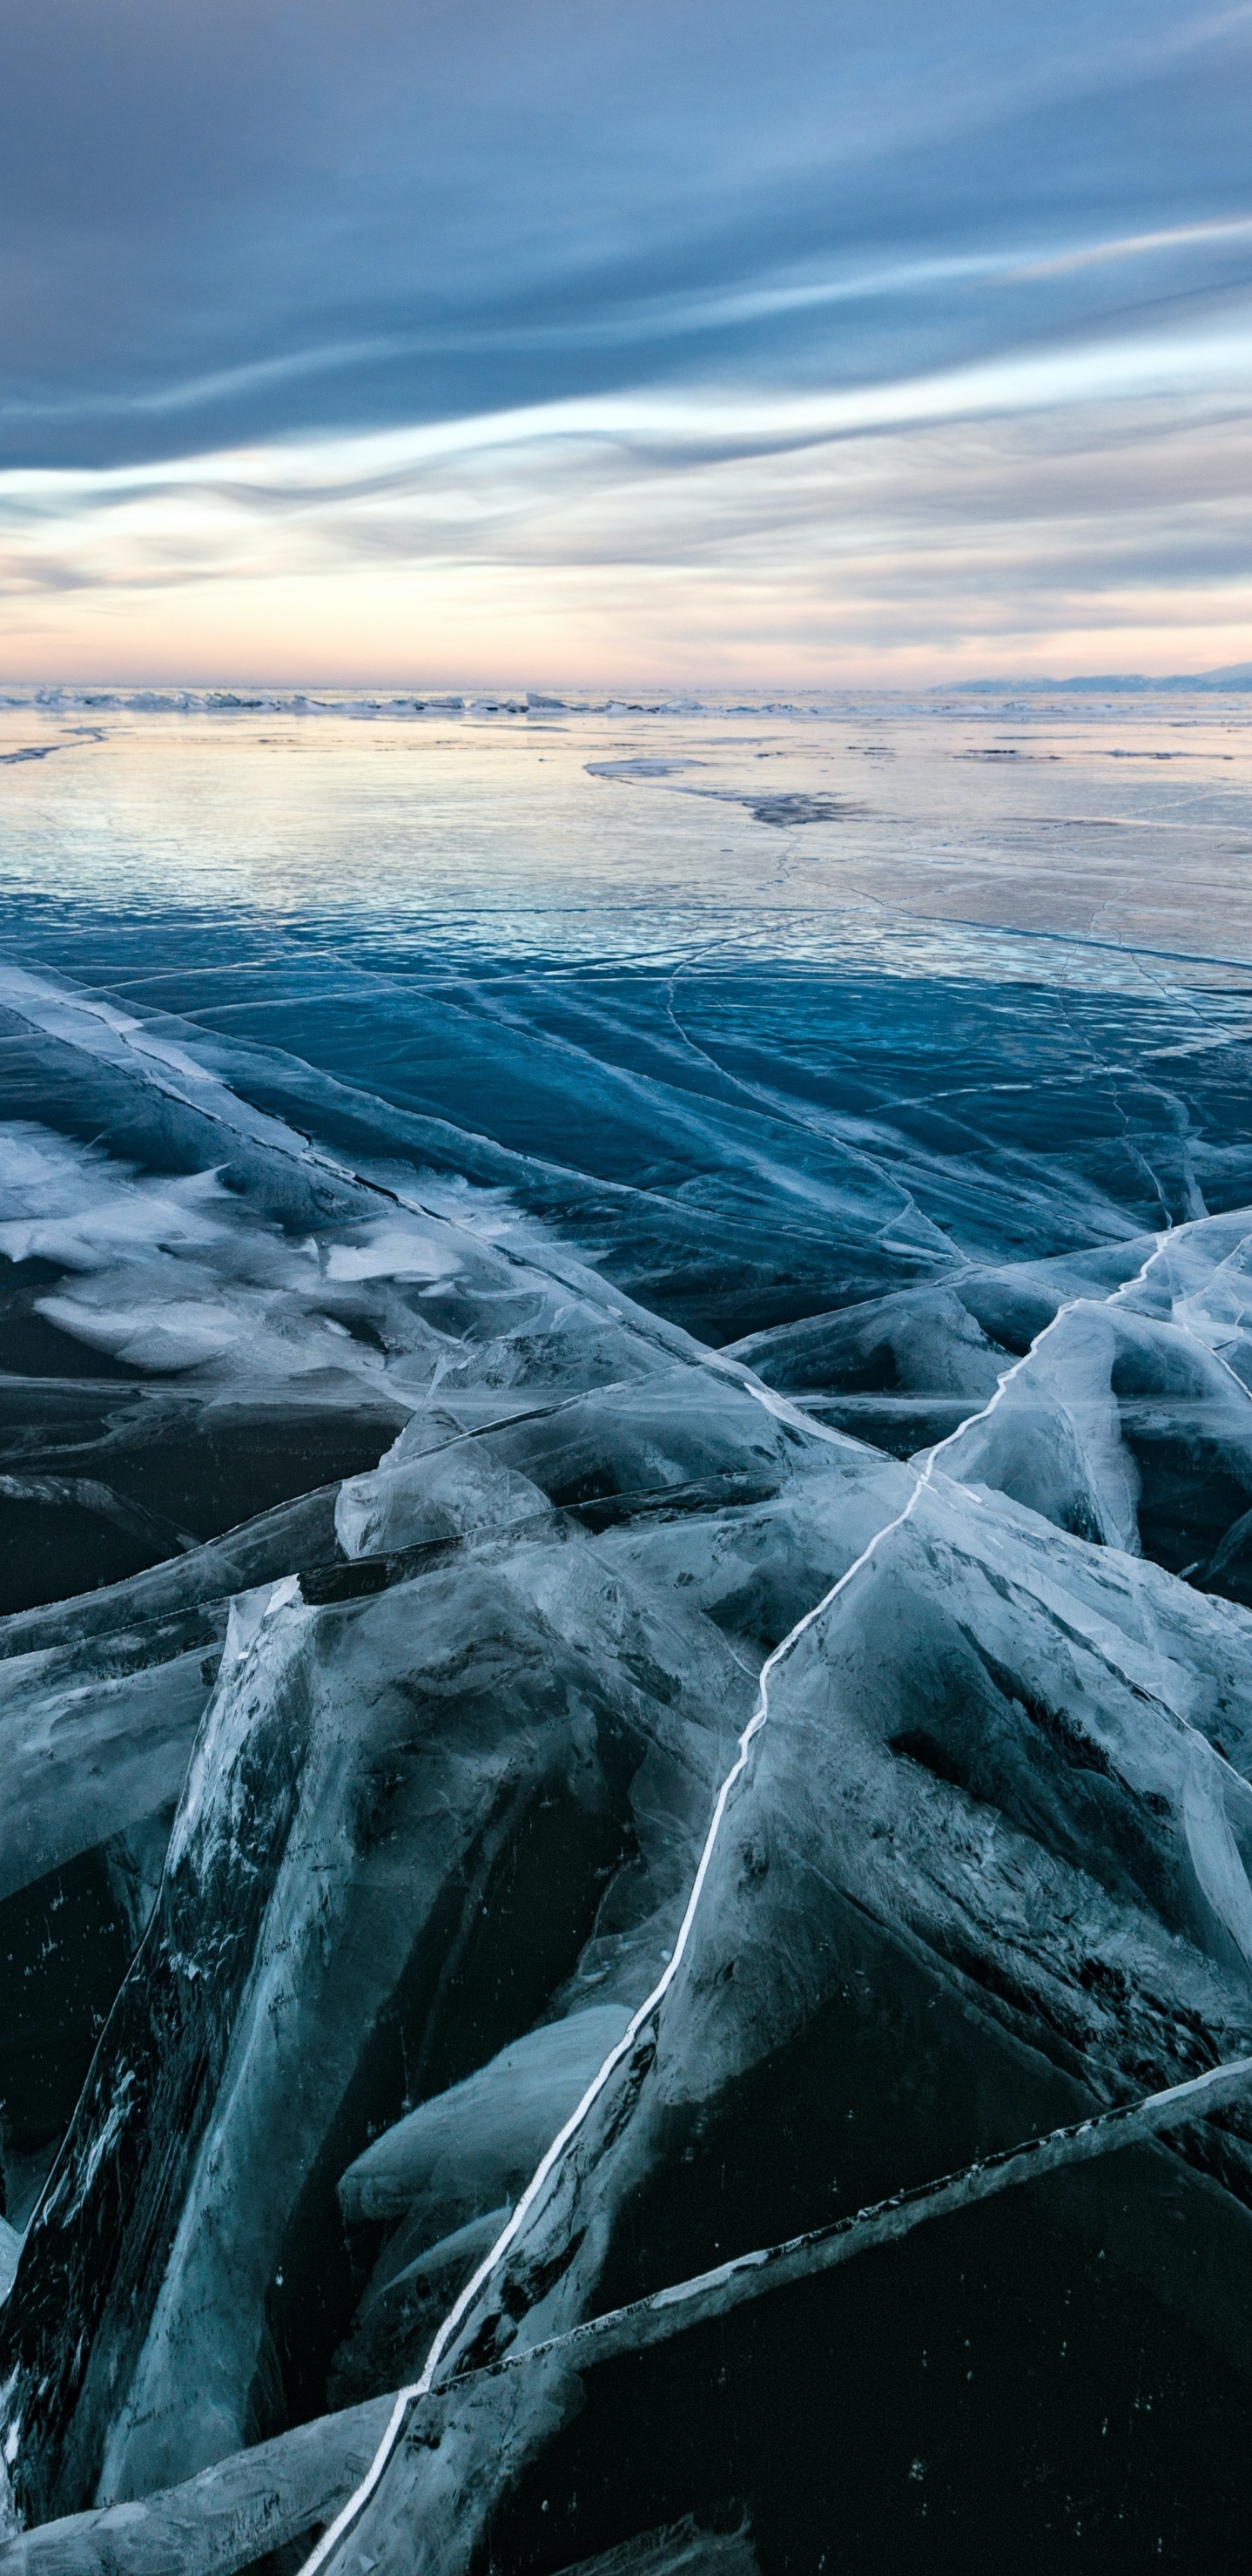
(628, 1632)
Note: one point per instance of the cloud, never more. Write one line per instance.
(257, 220)
(356, 306)
(1062, 496)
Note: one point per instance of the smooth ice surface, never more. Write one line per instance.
(627, 1630)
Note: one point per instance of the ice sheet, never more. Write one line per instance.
(627, 1471)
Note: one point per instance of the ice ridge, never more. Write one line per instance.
(526, 1829)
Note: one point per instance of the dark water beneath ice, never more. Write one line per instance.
(473, 1078)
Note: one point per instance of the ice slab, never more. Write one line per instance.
(471, 2147)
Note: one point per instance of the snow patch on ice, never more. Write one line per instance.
(389, 1251)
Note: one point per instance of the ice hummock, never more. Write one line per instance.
(355, 1816)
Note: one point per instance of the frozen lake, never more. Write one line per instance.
(626, 1630)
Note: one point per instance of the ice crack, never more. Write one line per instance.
(407, 2397)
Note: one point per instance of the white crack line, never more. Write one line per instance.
(681, 2304)
(407, 2397)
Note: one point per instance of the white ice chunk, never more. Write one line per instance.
(1054, 1440)
(1214, 1852)
(159, 1338)
(453, 2256)
(441, 1495)
(69, 1203)
(88, 1754)
(471, 2147)
(10, 2248)
(391, 1252)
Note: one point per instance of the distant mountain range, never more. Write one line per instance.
(1238, 675)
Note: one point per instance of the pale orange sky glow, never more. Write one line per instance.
(1080, 513)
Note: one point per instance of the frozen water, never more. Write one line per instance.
(465, 2150)
(627, 1474)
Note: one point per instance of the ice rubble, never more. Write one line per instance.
(450, 2003)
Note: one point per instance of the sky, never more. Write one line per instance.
(685, 342)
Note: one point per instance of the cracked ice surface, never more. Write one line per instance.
(628, 1631)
